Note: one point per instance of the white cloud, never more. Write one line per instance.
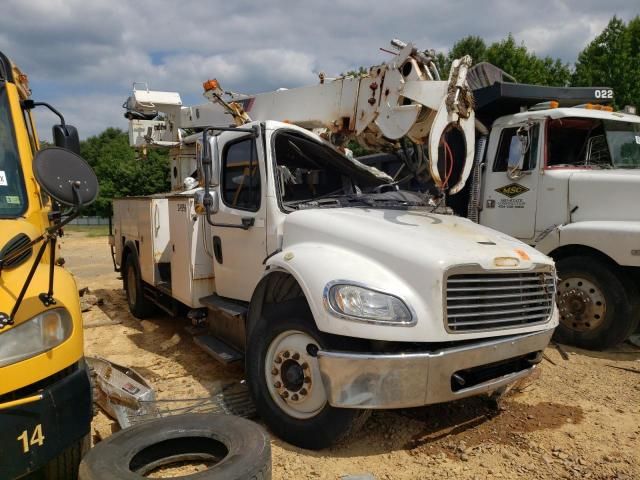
(83, 55)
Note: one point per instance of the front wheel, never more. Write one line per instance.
(596, 304)
(284, 379)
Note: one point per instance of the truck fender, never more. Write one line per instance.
(617, 240)
(313, 266)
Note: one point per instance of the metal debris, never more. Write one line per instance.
(626, 369)
(127, 396)
(561, 351)
(120, 391)
(232, 399)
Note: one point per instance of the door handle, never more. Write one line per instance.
(217, 248)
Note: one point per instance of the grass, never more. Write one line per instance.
(90, 230)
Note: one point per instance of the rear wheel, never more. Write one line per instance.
(140, 306)
(284, 378)
(596, 303)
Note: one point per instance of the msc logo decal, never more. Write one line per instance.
(512, 190)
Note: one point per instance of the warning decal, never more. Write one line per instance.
(3, 179)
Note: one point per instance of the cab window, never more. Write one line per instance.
(240, 183)
(505, 147)
(13, 199)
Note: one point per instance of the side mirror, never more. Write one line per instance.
(66, 177)
(209, 159)
(66, 136)
(213, 200)
(517, 150)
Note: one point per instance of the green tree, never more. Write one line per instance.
(514, 59)
(121, 171)
(360, 72)
(612, 59)
(526, 66)
(470, 45)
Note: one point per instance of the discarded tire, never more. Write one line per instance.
(239, 449)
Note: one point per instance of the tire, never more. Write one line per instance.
(304, 417)
(139, 305)
(597, 303)
(65, 465)
(242, 449)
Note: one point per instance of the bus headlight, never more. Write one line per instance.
(356, 302)
(37, 335)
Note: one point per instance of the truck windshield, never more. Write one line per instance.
(310, 173)
(12, 193)
(623, 139)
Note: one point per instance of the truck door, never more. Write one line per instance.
(239, 252)
(508, 195)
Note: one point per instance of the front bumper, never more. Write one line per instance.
(59, 418)
(369, 380)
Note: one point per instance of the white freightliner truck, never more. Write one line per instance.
(342, 292)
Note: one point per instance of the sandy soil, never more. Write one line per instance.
(580, 418)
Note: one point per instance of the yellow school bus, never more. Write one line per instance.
(45, 392)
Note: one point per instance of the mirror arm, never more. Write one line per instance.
(30, 104)
(16, 306)
(47, 298)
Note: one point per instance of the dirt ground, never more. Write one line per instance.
(579, 418)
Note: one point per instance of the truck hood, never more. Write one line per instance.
(604, 194)
(404, 253)
(416, 236)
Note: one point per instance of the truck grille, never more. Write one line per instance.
(491, 300)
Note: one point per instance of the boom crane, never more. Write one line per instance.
(402, 98)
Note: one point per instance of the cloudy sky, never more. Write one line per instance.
(83, 55)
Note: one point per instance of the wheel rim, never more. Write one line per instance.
(131, 286)
(292, 375)
(581, 304)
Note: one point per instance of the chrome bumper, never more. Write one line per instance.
(369, 380)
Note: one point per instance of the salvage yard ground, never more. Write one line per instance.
(580, 418)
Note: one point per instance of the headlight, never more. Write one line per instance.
(366, 305)
(37, 335)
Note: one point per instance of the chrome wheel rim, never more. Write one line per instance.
(292, 375)
(581, 304)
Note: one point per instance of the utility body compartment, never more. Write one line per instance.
(192, 276)
(144, 221)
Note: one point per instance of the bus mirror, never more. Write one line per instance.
(65, 176)
(66, 136)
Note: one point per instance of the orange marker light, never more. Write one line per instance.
(554, 104)
(522, 254)
(211, 84)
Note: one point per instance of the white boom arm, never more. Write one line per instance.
(401, 98)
